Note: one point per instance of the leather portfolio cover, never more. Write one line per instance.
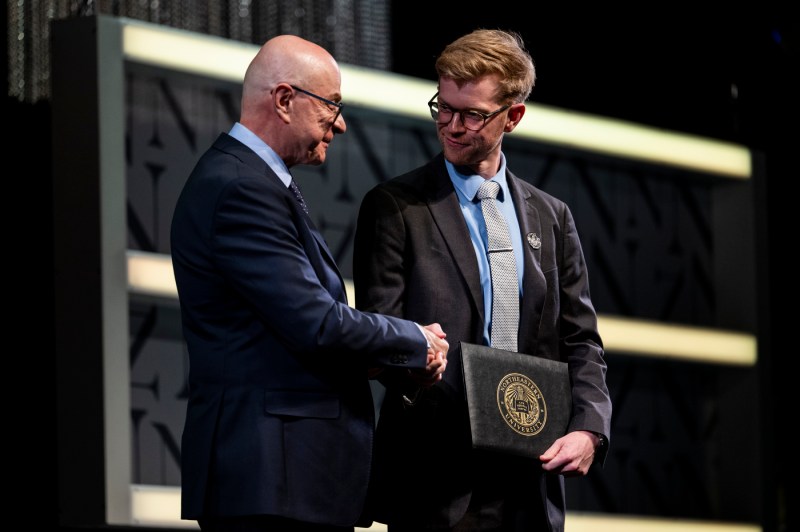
(518, 404)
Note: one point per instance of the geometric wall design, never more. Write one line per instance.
(648, 237)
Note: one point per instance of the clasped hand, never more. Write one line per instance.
(437, 356)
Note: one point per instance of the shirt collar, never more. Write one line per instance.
(254, 142)
(467, 184)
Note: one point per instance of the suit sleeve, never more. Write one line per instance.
(581, 341)
(258, 244)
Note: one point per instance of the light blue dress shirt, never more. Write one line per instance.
(254, 142)
(466, 189)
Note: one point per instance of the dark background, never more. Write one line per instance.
(674, 69)
(730, 73)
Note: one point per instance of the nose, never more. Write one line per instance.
(339, 125)
(454, 123)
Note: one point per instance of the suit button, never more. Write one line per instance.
(399, 359)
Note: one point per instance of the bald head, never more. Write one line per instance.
(288, 99)
(290, 59)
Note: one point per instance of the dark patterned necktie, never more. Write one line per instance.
(503, 265)
(296, 191)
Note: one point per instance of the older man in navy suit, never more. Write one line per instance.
(280, 419)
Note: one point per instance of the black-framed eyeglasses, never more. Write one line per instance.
(335, 107)
(470, 119)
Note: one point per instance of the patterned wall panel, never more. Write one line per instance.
(648, 238)
(645, 231)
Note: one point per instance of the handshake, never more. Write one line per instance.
(436, 363)
(437, 356)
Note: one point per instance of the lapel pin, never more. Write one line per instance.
(534, 240)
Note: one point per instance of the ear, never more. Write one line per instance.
(515, 114)
(282, 96)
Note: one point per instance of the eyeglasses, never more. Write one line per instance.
(335, 107)
(470, 119)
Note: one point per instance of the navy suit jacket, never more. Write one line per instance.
(413, 258)
(280, 415)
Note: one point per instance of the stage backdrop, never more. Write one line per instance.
(666, 245)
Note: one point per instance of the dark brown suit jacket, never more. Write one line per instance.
(413, 259)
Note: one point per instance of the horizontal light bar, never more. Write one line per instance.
(160, 506)
(584, 522)
(184, 51)
(633, 336)
(625, 139)
(151, 274)
(227, 60)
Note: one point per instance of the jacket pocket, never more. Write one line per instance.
(301, 404)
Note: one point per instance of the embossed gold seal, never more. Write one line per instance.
(521, 404)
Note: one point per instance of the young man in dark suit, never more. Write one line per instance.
(421, 254)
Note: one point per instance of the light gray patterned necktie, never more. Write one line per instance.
(503, 265)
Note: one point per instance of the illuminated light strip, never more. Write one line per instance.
(184, 51)
(583, 522)
(151, 274)
(624, 139)
(160, 506)
(225, 59)
(633, 336)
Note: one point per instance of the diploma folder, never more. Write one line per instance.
(518, 404)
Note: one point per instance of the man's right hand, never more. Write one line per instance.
(437, 356)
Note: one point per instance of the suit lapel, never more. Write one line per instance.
(326, 253)
(446, 213)
(533, 282)
(229, 144)
(327, 256)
